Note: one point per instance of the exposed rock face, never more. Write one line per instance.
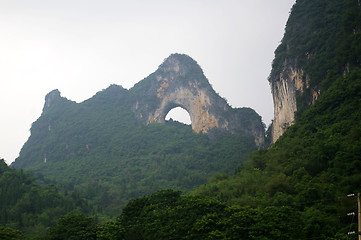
(284, 91)
(311, 54)
(180, 82)
(286, 86)
(51, 98)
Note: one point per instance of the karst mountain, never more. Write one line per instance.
(112, 167)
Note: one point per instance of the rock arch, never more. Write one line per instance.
(179, 114)
(195, 102)
(179, 81)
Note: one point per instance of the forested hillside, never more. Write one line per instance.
(27, 206)
(295, 189)
(317, 162)
(99, 149)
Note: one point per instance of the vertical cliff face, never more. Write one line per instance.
(316, 45)
(284, 92)
(180, 82)
(286, 86)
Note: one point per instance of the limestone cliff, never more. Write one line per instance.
(316, 48)
(180, 82)
(308, 52)
(289, 83)
(106, 138)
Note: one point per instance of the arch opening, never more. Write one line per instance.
(179, 114)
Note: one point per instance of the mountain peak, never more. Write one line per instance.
(179, 64)
(180, 82)
(51, 98)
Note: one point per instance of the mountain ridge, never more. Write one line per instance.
(180, 82)
(107, 144)
(296, 189)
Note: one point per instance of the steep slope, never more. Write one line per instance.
(321, 40)
(114, 146)
(297, 188)
(317, 161)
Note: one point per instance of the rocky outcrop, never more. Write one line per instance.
(284, 89)
(51, 98)
(315, 49)
(286, 86)
(180, 82)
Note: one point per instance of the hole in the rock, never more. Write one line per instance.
(179, 114)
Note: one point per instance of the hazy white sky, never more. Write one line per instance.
(82, 46)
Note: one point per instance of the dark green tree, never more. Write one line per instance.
(73, 227)
(10, 234)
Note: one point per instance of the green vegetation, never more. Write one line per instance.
(296, 189)
(168, 215)
(29, 207)
(322, 38)
(317, 162)
(100, 150)
(310, 169)
(9, 233)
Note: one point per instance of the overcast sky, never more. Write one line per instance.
(82, 46)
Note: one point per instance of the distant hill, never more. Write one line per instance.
(117, 145)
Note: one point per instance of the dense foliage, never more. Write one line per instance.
(317, 162)
(296, 189)
(323, 39)
(310, 169)
(168, 215)
(27, 206)
(99, 149)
